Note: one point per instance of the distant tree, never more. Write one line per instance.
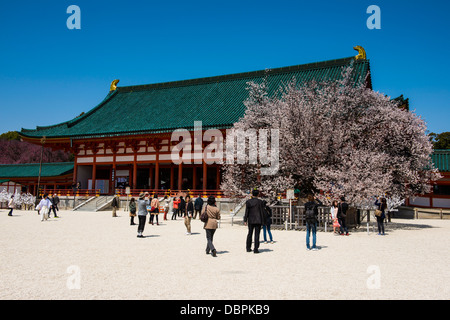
(14, 151)
(10, 135)
(440, 140)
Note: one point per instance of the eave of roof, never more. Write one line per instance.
(32, 169)
(163, 107)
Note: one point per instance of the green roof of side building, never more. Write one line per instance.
(216, 101)
(441, 159)
(32, 170)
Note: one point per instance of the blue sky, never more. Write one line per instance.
(50, 74)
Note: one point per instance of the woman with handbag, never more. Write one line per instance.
(213, 214)
(333, 212)
(154, 210)
(380, 215)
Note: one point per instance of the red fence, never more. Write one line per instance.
(135, 192)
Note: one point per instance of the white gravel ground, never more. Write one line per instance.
(88, 255)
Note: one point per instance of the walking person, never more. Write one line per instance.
(266, 226)
(11, 205)
(211, 224)
(166, 206)
(132, 207)
(154, 209)
(254, 219)
(198, 205)
(142, 204)
(188, 214)
(311, 213)
(342, 215)
(334, 211)
(380, 218)
(115, 205)
(44, 207)
(176, 203)
(55, 201)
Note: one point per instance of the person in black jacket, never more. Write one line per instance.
(341, 215)
(254, 218)
(268, 222)
(198, 205)
(182, 207)
(311, 213)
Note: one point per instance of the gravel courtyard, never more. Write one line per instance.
(88, 255)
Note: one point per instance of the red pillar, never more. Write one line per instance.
(205, 173)
(180, 175)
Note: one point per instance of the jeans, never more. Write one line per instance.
(152, 216)
(54, 208)
(141, 225)
(253, 228)
(343, 227)
(267, 227)
(311, 226)
(209, 239)
(380, 222)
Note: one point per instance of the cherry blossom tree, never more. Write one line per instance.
(15, 151)
(336, 138)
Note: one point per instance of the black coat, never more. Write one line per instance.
(190, 207)
(342, 210)
(254, 211)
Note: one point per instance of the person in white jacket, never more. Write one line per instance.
(44, 207)
(11, 206)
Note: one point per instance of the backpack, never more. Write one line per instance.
(310, 212)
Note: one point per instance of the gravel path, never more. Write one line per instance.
(88, 255)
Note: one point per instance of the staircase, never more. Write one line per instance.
(95, 204)
(240, 208)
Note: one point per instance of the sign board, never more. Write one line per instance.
(127, 190)
(290, 194)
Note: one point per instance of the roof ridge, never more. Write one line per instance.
(241, 75)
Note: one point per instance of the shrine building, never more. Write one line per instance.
(126, 139)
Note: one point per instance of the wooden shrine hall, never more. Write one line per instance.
(126, 139)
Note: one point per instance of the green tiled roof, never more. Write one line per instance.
(163, 107)
(32, 170)
(441, 159)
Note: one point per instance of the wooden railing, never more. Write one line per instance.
(296, 220)
(172, 193)
(134, 192)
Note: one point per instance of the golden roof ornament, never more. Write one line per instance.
(361, 53)
(114, 85)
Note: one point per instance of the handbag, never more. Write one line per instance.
(204, 217)
(378, 213)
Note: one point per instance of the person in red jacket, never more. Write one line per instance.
(176, 202)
